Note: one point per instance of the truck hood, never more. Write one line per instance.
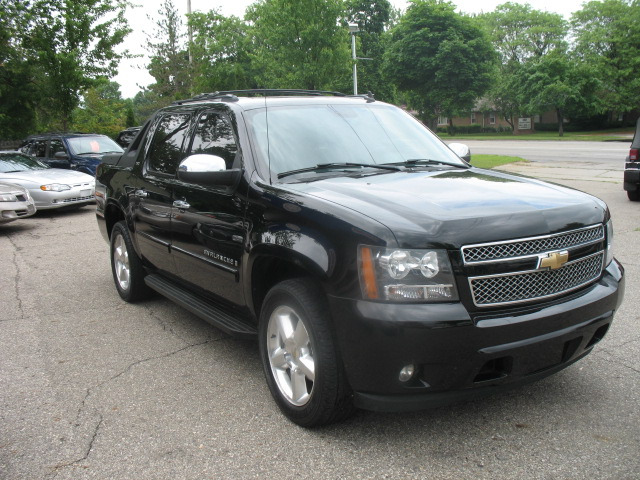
(452, 208)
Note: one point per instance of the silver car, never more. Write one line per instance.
(15, 203)
(49, 187)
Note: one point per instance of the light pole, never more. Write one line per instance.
(353, 29)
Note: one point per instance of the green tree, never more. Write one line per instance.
(220, 46)
(102, 110)
(608, 38)
(442, 59)
(73, 42)
(299, 44)
(53, 50)
(520, 35)
(559, 82)
(169, 57)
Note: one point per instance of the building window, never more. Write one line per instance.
(537, 119)
(492, 118)
(473, 117)
(443, 121)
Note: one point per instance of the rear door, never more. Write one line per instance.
(208, 222)
(152, 196)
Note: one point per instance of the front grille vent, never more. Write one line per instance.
(532, 246)
(535, 285)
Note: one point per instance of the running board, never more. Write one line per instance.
(203, 309)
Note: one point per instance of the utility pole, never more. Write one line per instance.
(190, 34)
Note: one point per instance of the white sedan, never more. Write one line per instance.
(15, 203)
(49, 187)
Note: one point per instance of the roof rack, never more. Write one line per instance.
(232, 95)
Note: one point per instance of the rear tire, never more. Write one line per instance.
(634, 195)
(301, 362)
(126, 266)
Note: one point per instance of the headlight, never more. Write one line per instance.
(609, 256)
(403, 275)
(55, 187)
(8, 197)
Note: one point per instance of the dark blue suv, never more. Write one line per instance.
(76, 151)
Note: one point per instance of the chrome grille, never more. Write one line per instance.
(535, 285)
(532, 246)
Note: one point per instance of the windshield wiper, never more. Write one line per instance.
(412, 162)
(329, 166)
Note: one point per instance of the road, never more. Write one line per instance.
(609, 153)
(94, 388)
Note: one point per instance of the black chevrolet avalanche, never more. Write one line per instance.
(376, 268)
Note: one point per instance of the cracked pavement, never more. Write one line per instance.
(94, 388)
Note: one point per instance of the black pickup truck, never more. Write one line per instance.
(376, 268)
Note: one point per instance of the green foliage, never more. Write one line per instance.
(442, 60)
(102, 110)
(169, 58)
(520, 35)
(607, 37)
(52, 50)
(299, 44)
(220, 50)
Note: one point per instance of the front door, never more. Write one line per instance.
(152, 196)
(208, 224)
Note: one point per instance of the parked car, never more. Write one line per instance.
(15, 202)
(75, 151)
(49, 187)
(125, 137)
(632, 168)
(376, 268)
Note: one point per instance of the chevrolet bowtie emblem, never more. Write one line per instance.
(554, 260)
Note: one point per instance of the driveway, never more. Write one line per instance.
(94, 388)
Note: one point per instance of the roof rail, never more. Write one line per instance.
(232, 95)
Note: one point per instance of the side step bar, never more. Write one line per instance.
(205, 310)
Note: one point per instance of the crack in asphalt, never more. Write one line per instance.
(60, 466)
(90, 391)
(614, 360)
(18, 277)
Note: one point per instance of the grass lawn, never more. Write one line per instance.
(594, 136)
(491, 161)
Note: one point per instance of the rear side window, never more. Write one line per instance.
(214, 136)
(55, 146)
(37, 148)
(165, 152)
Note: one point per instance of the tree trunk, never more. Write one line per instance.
(560, 122)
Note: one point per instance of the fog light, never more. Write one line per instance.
(407, 373)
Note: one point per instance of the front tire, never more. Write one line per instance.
(300, 359)
(126, 266)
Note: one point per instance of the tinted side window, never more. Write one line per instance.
(38, 148)
(55, 146)
(214, 135)
(165, 151)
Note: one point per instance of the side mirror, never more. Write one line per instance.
(61, 156)
(461, 150)
(210, 170)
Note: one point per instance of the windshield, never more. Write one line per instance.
(17, 162)
(94, 144)
(301, 137)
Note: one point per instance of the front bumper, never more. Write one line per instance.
(460, 355)
(77, 196)
(10, 211)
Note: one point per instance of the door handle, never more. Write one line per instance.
(181, 204)
(141, 194)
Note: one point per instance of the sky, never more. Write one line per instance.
(132, 74)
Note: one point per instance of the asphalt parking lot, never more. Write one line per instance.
(94, 388)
